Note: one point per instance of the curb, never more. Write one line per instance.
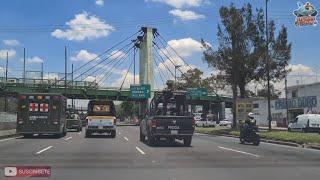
(8, 133)
(306, 146)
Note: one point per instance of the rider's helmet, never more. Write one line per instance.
(251, 115)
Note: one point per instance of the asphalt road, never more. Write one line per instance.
(125, 157)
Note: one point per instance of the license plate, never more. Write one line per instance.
(174, 131)
(100, 127)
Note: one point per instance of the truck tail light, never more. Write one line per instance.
(153, 123)
(193, 122)
(115, 122)
(20, 121)
(22, 97)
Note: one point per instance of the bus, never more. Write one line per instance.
(41, 113)
(101, 118)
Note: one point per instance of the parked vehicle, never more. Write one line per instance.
(205, 123)
(305, 123)
(225, 122)
(101, 118)
(74, 122)
(41, 113)
(167, 118)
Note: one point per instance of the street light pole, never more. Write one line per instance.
(268, 68)
(175, 73)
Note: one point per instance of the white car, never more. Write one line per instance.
(225, 123)
(205, 123)
(305, 123)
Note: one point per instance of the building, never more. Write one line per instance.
(302, 99)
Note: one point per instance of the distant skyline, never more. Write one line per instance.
(44, 27)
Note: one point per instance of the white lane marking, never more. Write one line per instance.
(140, 151)
(7, 139)
(119, 133)
(228, 149)
(68, 138)
(41, 151)
(79, 132)
(126, 138)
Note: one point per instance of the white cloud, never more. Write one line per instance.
(99, 2)
(129, 80)
(84, 26)
(3, 53)
(51, 76)
(185, 47)
(186, 15)
(34, 59)
(11, 42)
(90, 79)
(117, 54)
(84, 55)
(182, 3)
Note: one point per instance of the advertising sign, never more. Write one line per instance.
(306, 14)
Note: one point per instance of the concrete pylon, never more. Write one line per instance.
(146, 64)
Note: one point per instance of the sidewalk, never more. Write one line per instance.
(7, 133)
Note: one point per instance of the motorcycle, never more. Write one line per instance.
(250, 136)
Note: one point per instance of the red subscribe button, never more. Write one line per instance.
(27, 171)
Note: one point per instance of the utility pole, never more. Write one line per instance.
(65, 70)
(5, 96)
(286, 91)
(7, 62)
(42, 72)
(175, 74)
(268, 68)
(24, 65)
(72, 100)
(134, 65)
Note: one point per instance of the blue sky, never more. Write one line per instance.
(124, 17)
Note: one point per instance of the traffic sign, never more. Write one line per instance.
(140, 91)
(197, 92)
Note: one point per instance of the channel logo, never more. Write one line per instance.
(27, 171)
(10, 171)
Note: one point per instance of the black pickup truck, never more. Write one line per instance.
(168, 118)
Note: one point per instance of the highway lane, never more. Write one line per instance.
(125, 157)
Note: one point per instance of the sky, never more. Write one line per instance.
(45, 27)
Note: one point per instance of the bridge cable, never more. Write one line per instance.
(105, 52)
(162, 38)
(125, 77)
(107, 75)
(109, 62)
(163, 62)
(160, 72)
(102, 61)
(167, 57)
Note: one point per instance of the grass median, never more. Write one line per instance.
(296, 137)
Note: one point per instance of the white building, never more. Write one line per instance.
(302, 99)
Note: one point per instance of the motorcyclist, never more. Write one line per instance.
(248, 126)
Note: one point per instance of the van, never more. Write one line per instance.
(305, 123)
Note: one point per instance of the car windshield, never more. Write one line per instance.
(159, 89)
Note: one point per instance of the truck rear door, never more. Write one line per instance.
(172, 125)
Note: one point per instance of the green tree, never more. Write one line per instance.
(241, 53)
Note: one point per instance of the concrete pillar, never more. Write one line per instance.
(146, 64)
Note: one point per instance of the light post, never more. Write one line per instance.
(175, 73)
(268, 68)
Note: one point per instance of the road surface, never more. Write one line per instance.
(77, 158)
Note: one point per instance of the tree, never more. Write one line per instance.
(241, 53)
(193, 79)
(128, 109)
